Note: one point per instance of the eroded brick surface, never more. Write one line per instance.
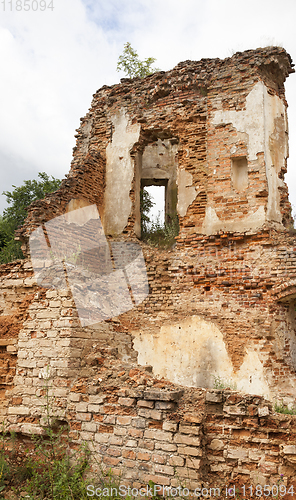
(221, 302)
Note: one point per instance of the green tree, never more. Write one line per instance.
(130, 63)
(146, 204)
(14, 216)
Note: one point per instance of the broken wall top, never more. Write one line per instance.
(209, 113)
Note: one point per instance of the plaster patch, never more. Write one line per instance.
(212, 223)
(119, 173)
(193, 353)
(250, 377)
(250, 120)
(265, 122)
(190, 353)
(186, 192)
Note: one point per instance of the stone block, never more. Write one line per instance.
(94, 408)
(138, 422)
(123, 420)
(116, 440)
(216, 444)
(189, 429)
(96, 399)
(27, 363)
(185, 439)
(214, 396)
(82, 407)
(238, 453)
(164, 469)
(84, 417)
(131, 443)
(263, 411)
(18, 410)
(176, 461)
(89, 426)
(169, 426)
(158, 435)
(126, 401)
(86, 436)
(11, 348)
(102, 438)
(147, 413)
(234, 410)
(289, 449)
(145, 404)
(189, 450)
(163, 395)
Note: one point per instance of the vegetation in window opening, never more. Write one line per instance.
(155, 233)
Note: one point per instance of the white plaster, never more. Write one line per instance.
(250, 377)
(274, 108)
(160, 155)
(189, 353)
(250, 120)
(258, 122)
(79, 211)
(186, 192)
(212, 223)
(193, 353)
(119, 173)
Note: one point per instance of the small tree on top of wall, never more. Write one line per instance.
(130, 63)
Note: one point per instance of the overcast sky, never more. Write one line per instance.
(52, 61)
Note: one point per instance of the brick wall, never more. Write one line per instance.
(179, 104)
(238, 285)
(147, 429)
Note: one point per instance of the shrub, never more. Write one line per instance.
(162, 235)
(282, 408)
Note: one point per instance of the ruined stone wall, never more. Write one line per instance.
(212, 312)
(216, 112)
(146, 429)
(17, 289)
(221, 303)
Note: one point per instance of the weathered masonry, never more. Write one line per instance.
(221, 303)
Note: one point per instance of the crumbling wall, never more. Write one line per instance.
(221, 303)
(145, 429)
(217, 112)
(17, 289)
(226, 122)
(213, 311)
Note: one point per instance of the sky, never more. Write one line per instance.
(52, 61)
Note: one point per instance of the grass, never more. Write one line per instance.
(161, 235)
(221, 384)
(282, 408)
(49, 468)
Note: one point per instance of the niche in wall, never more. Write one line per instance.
(239, 173)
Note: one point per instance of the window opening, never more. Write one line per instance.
(240, 178)
(156, 213)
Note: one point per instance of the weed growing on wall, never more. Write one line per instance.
(49, 468)
(282, 408)
(162, 235)
(221, 384)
